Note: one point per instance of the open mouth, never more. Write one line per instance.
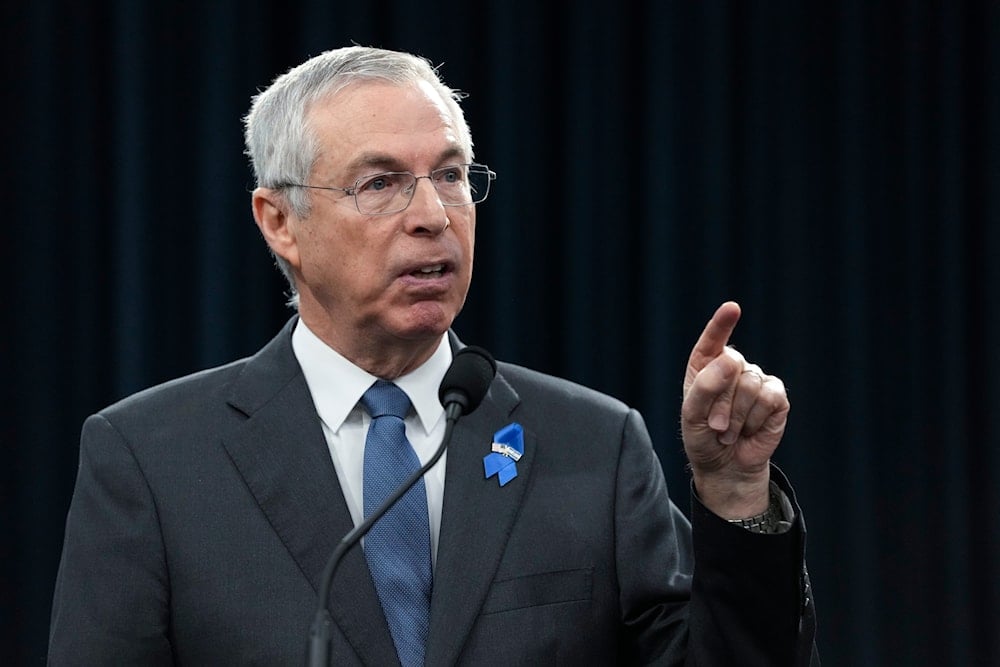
(432, 271)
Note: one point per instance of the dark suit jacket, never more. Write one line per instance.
(206, 508)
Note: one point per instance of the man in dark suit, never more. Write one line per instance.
(206, 508)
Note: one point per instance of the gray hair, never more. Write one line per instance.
(279, 141)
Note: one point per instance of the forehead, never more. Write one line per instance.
(393, 125)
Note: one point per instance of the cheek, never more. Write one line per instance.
(471, 251)
(467, 235)
(323, 257)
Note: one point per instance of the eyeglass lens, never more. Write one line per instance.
(456, 185)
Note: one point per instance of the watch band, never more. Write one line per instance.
(765, 522)
(771, 521)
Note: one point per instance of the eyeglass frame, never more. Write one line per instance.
(353, 190)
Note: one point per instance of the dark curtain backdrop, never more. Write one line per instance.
(833, 166)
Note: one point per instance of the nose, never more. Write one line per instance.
(426, 214)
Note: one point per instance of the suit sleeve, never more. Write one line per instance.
(752, 589)
(706, 593)
(111, 596)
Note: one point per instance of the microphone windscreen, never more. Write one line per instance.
(468, 378)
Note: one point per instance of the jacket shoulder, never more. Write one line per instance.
(243, 384)
(196, 387)
(535, 387)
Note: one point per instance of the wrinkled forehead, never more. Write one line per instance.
(363, 98)
(408, 122)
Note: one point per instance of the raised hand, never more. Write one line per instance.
(732, 419)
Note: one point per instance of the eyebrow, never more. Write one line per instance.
(387, 162)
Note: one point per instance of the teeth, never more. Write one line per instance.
(432, 269)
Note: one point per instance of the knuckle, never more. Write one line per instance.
(734, 354)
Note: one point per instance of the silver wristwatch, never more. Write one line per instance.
(777, 518)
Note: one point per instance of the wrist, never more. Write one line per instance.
(733, 497)
(777, 518)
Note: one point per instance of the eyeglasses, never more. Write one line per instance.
(392, 191)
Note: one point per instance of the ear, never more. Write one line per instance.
(276, 223)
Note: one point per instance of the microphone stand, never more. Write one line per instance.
(319, 634)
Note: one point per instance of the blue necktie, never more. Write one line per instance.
(398, 546)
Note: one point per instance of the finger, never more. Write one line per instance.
(770, 409)
(715, 336)
(745, 397)
(709, 398)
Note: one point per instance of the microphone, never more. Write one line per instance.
(466, 382)
(463, 388)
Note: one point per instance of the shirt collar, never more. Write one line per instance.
(337, 384)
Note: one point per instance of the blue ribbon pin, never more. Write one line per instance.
(508, 447)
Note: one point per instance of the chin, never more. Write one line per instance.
(428, 321)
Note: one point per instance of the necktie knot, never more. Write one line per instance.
(385, 399)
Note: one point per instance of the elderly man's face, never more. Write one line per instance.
(388, 278)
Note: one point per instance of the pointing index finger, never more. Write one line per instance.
(715, 337)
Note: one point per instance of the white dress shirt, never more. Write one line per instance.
(337, 386)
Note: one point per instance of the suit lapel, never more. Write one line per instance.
(476, 521)
(282, 455)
